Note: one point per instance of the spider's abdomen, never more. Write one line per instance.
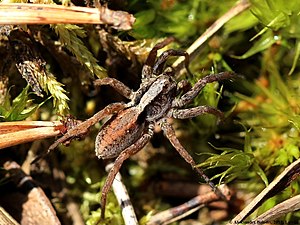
(118, 133)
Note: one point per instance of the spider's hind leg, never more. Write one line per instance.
(170, 134)
(125, 154)
(82, 128)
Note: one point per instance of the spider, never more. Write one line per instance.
(131, 124)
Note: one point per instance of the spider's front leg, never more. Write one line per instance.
(150, 61)
(195, 111)
(195, 90)
(170, 134)
(82, 128)
(117, 85)
(125, 154)
(158, 68)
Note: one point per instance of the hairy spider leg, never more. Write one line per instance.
(195, 111)
(170, 134)
(195, 90)
(150, 61)
(125, 154)
(117, 85)
(82, 128)
(160, 62)
(183, 86)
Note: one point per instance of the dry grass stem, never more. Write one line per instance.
(123, 199)
(178, 212)
(290, 205)
(278, 184)
(57, 14)
(14, 133)
(195, 47)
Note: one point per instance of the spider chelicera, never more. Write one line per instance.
(131, 124)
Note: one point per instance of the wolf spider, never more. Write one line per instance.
(131, 125)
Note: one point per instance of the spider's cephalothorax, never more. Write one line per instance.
(131, 125)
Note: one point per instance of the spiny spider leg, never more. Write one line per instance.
(150, 61)
(183, 86)
(82, 128)
(125, 154)
(160, 62)
(191, 94)
(170, 134)
(117, 85)
(193, 112)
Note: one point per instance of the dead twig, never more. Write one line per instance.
(179, 189)
(30, 202)
(278, 184)
(14, 133)
(290, 205)
(19, 13)
(187, 208)
(123, 199)
(6, 219)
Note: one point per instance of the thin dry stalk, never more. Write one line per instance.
(278, 184)
(193, 50)
(18, 13)
(14, 133)
(178, 212)
(123, 199)
(7, 219)
(290, 205)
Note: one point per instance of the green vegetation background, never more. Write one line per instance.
(259, 137)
